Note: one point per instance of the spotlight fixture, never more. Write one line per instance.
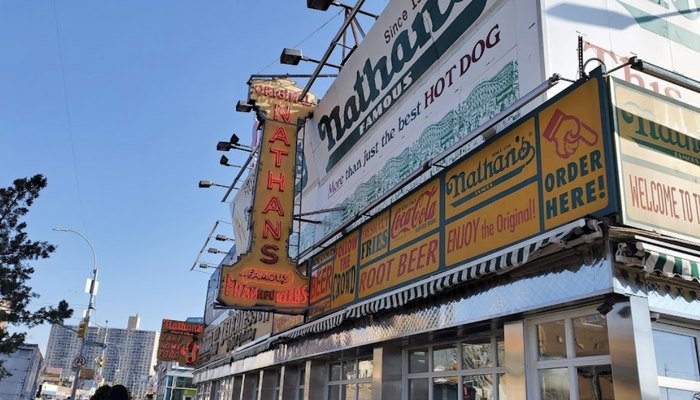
(207, 184)
(244, 106)
(294, 56)
(214, 250)
(223, 238)
(206, 265)
(319, 4)
(234, 140)
(606, 307)
(665, 74)
(223, 146)
(224, 161)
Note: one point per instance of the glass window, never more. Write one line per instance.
(335, 372)
(554, 384)
(445, 358)
(445, 388)
(552, 340)
(477, 387)
(561, 345)
(676, 355)
(461, 371)
(365, 368)
(591, 336)
(476, 354)
(418, 361)
(349, 370)
(364, 391)
(678, 394)
(418, 389)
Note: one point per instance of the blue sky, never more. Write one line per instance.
(120, 105)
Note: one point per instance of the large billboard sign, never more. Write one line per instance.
(239, 328)
(659, 156)
(554, 166)
(428, 74)
(265, 277)
(179, 341)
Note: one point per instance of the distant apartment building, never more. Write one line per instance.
(128, 355)
(25, 366)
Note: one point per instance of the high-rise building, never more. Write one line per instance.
(125, 356)
(25, 366)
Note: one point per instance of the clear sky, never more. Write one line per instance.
(120, 105)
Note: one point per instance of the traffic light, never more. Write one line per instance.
(82, 329)
(101, 362)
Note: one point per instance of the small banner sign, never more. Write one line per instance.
(265, 277)
(179, 341)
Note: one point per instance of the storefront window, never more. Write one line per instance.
(677, 363)
(418, 361)
(350, 380)
(591, 336)
(465, 370)
(572, 356)
(552, 340)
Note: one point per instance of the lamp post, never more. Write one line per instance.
(91, 305)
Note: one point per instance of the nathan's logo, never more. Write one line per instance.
(373, 79)
(493, 170)
(415, 214)
(653, 16)
(653, 135)
(567, 132)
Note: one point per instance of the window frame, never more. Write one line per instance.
(356, 381)
(678, 383)
(495, 370)
(571, 362)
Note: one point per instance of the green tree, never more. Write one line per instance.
(16, 250)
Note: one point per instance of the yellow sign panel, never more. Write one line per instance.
(497, 168)
(266, 277)
(659, 145)
(345, 270)
(416, 215)
(500, 223)
(418, 259)
(574, 163)
(375, 238)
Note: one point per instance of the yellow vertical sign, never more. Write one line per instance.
(573, 157)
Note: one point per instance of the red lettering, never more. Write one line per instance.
(274, 204)
(423, 210)
(269, 251)
(278, 155)
(282, 113)
(272, 180)
(275, 230)
(280, 134)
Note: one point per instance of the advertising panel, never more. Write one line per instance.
(239, 328)
(179, 341)
(665, 33)
(659, 156)
(552, 167)
(265, 277)
(427, 74)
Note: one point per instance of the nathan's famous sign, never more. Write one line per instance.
(549, 169)
(179, 341)
(659, 145)
(430, 27)
(265, 277)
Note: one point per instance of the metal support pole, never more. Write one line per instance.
(91, 305)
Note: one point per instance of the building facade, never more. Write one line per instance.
(25, 366)
(497, 233)
(128, 355)
(175, 382)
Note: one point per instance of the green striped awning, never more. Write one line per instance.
(671, 265)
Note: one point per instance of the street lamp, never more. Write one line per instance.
(91, 304)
